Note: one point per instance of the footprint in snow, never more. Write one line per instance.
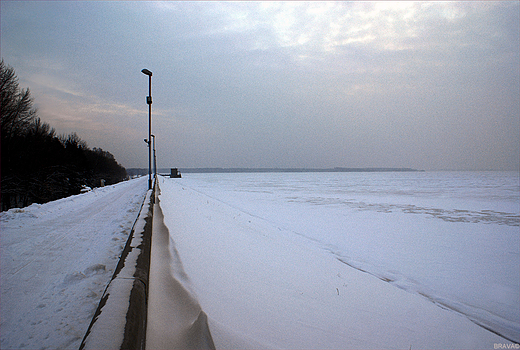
(89, 271)
(95, 269)
(74, 277)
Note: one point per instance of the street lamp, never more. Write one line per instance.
(154, 158)
(149, 102)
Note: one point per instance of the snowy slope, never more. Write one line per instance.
(56, 260)
(263, 285)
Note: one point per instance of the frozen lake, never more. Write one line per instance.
(452, 237)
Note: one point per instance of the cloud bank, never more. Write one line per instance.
(428, 85)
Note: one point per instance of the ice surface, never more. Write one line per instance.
(451, 238)
(56, 261)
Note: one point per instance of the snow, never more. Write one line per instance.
(281, 260)
(120, 319)
(175, 318)
(270, 257)
(56, 261)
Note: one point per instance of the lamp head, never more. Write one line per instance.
(147, 72)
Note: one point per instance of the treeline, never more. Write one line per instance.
(37, 164)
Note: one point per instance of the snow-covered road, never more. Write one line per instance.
(56, 260)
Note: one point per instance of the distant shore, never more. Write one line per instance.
(143, 171)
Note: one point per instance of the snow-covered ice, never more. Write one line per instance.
(276, 259)
(56, 261)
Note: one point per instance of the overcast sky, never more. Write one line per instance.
(426, 85)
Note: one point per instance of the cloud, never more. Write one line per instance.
(415, 84)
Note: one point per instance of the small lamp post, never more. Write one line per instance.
(149, 102)
(154, 158)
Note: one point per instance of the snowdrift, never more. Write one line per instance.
(175, 318)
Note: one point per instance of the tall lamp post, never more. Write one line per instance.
(149, 102)
(154, 158)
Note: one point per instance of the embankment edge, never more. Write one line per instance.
(120, 319)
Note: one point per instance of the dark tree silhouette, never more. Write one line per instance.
(16, 104)
(37, 165)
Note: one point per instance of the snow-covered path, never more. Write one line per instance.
(56, 260)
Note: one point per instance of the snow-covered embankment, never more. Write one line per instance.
(120, 320)
(146, 301)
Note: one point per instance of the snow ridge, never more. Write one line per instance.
(175, 317)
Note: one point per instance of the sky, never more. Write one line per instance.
(424, 85)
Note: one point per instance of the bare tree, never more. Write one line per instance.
(16, 105)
